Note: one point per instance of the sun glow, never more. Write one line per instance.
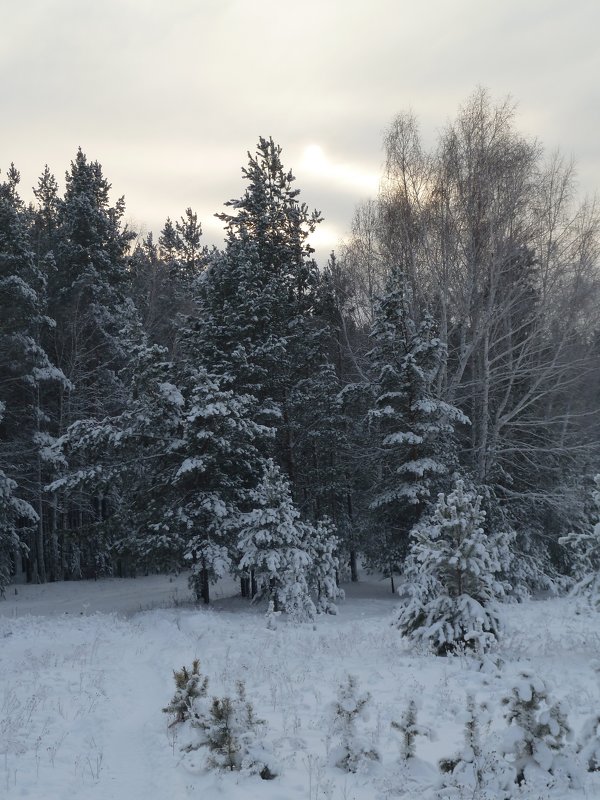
(317, 163)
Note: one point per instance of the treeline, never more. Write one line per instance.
(156, 395)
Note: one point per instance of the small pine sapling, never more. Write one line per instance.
(234, 736)
(414, 775)
(409, 729)
(476, 771)
(272, 616)
(350, 707)
(588, 746)
(538, 736)
(584, 548)
(190, 685)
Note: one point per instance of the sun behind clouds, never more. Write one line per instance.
(316, 162)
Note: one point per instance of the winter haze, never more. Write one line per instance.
(283, 527)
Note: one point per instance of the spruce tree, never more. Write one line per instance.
(322, 545)
(413, 428)
(271, 543)
(16, 516)
(183, 456)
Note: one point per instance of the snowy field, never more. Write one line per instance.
(82, 688)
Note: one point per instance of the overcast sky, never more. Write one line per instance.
(169, 95)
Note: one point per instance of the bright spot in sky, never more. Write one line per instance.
(316, 162)
(324, 239)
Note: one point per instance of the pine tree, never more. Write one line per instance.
(476, 771)
(584, 550)
(258, 318)
(152, 292)
(451, 574)
(413, 428)
(190, 686)
(164, 277)
(26, 370)
(88, 290)
(86, 248)
(414, 775)
(409, 730)
(234, 736)
(259, 294)
(588, 745)
(350, 708)
(538, 737)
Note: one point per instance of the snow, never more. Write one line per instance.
(124, 597)
(84, 675)
(172, 394)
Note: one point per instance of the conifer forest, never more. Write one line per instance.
(148, 384)
(421, 413)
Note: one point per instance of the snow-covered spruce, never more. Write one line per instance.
(584, 549)
(270, 541)
(322, 544)
(182, 455)
(288, 557)
(412, 426)
(350, 708)
(234, 736)
(451, 584)
(537, 740)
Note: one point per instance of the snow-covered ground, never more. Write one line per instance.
(81, 692)
(118, 595)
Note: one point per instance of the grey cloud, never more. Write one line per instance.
(170, 96)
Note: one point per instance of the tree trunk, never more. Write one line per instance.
(204, 585)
